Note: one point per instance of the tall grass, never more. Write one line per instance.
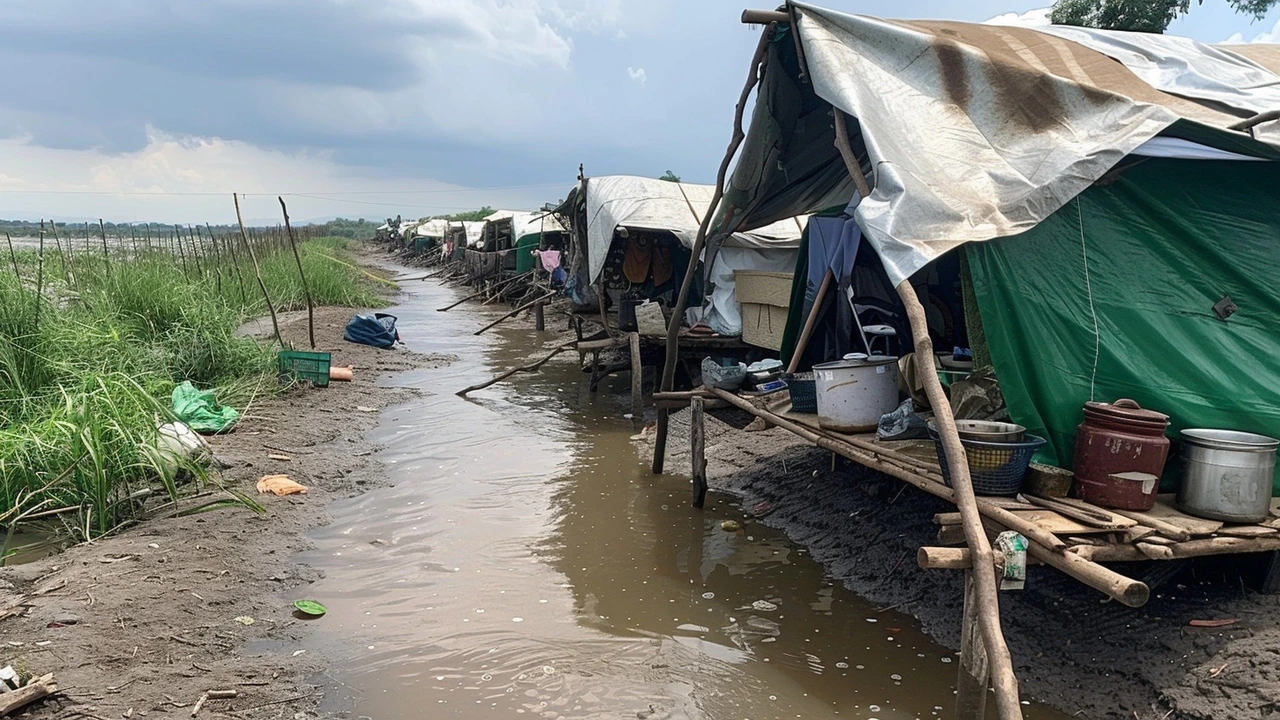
(87, 365)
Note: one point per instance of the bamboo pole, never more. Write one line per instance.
(311, 308)
(65, 258)
(275, 324)
(177, 238)
(478, 294)
(682, 298)
(39, 276)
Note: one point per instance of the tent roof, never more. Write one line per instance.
(431, 228)
(972, 132)
(624, 201)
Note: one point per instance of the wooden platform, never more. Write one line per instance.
(1071, 535)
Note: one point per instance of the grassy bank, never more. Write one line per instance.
(91, 348)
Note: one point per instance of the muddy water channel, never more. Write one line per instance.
(525, 563)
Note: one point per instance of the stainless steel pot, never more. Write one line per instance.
(1227, 475)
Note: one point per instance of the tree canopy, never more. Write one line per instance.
(1151, 16)
(470, 216)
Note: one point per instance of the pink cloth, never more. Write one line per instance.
(550, 259)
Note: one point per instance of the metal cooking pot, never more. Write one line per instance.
(1227, 475)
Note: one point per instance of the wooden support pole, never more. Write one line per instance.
(513, 313)
(698, 450)
(1079, 562)
(974, 672)
(764, 17)
(306, 291)
(235, 263)
(539, 316)
(682, 297)
(985, 591)
(13, 257)
(102, 230)
(275, 324)
(810, 322)
(637, 374)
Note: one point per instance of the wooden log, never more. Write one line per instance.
(697, 450)
(606, 344)
(523, 368)
(637, 375)
(685, 395)
(943, 558)
(1092, 517)
(764, 17)
(1166, 529)
(682, 297)
(37, 689)
(511, 314)
(539, 316)
(1125, 590)
(974, 672)
(472, 296)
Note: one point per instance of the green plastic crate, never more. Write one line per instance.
(303, 365)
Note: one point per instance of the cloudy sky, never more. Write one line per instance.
(159, 109)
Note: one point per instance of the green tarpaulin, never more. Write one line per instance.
(1143, 259)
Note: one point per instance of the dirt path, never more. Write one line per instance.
(1072, 649)
(145, 622)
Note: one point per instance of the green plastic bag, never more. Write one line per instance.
(200, 411)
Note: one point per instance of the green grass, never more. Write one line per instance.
(87, 366)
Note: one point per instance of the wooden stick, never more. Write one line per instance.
(513, 313)
(65, 257)
(13, 257)
(846, 153)
(682, 298)
(1179, 551)
(698, 450)
(102, 230)
(637, 374)
(1166, 529)
(177, 238)
(974, 672)
(478, 294)
(803, 343)
(1125, 590)
(311, 308)
(985, 591)
(523, 368)
(275, 324)
(37, 689)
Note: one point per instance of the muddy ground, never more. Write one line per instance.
(1073, 649)
(143, 623)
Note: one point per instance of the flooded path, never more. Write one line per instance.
(525, 562)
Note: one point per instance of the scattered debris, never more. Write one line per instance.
(730, 526)
(310, 607)
(280, 485)
(1213, 623)
(245, 620)
(279, 456)
(34, 690)
(1218, 670)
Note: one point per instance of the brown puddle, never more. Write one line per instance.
(526, 563)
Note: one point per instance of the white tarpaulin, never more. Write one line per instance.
(431, 229)
(622, 201)
(975, 132)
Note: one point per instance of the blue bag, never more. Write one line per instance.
(378, 330)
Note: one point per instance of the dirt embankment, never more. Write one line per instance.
(1072, 649)
(145, 622)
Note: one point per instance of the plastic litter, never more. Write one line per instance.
(280, 485)
(377, 330)
(200, 411)
(902, 424)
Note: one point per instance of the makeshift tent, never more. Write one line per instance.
(1087, 152)
(613, 208)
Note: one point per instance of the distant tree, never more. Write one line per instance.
(670, 177)
(1151, 16)
(472, 216)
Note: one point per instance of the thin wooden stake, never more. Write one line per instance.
(102, 229)
(974, 671)
(311, 318)
(524, 368)
(64, 257)
(177, 235)
(235, 263)
(637, 374)
(275, 324)
(697, 449)
(513, 313)
(13, 257)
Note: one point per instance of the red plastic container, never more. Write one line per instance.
(1119, 438)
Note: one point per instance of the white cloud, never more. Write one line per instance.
(638, 74)
(1271, 36)
(1031, 18)
(621, 35)
(190, 179)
